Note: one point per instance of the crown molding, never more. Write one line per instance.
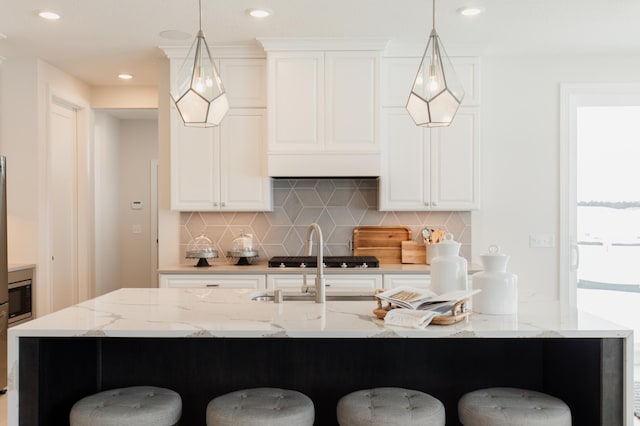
(273, 44)
(236, 51)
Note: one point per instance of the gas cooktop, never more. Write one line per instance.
(329, 262)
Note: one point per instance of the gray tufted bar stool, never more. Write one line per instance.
(512, 407)
(136, 405)
(261, 407)
(390, 406)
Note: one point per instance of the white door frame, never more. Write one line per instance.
(84, 172)
(573, 96)
(153, 222)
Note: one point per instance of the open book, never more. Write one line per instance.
(418, 307)
(423, 299)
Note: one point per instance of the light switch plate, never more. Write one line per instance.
(542, 240)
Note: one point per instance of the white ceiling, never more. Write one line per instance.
(97, 39)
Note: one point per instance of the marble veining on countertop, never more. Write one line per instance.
(206, 313)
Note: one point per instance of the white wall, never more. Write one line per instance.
(107, 189)
(168, 220)
(19, 136)
(138, 147)
(28, 87)
(520, 157)
(103, 97)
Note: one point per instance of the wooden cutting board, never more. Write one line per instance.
(414, 252)
(383, 242)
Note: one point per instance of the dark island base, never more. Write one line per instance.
(56, 372)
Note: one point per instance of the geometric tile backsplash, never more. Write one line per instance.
(337, 205)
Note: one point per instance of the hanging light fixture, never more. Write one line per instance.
(437, 92)
(198, 92)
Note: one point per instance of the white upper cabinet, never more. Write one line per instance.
(296, 102)
(405, 182)
(351, 103)
(422, 168)
(221, 168)
(195, 180)
(323, 102)
(455, 162)
(244, 185)
(323, 108)
(225, 167)
(429, 169)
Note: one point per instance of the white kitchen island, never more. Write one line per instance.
(205, 342)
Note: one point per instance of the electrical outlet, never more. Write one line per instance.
(136, 229)
(542, 240)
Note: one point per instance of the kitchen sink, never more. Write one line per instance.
(310, 297)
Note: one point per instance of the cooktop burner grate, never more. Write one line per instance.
(329, 261)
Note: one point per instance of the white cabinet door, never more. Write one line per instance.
(296, 101)
(410, 280)
(245, 81)
(404, 182)
(430, 169)
(195, 183)
(333, 282)
(351, 107)
(323, 101)
(244, 183)
(455, 162)
(398, 75)
(211, 281)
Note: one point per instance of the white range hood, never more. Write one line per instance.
(324, 165)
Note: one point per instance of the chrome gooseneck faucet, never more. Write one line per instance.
(320, 286)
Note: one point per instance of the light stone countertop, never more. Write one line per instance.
(20, 266)
(172, 312)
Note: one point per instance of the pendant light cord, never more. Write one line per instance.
(200, 12)
(433, 13)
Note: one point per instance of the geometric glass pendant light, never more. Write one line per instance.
(198, 92)
(436, 93)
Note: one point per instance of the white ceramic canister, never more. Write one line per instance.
(448, 268)
(499, 289)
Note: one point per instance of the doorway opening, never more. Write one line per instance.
(126, 201)
(608, 213)
(600, 214)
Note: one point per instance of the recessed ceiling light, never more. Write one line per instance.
(175, 35)
(125, 76)
(259, 13)
(48, 15)
(470, 10)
